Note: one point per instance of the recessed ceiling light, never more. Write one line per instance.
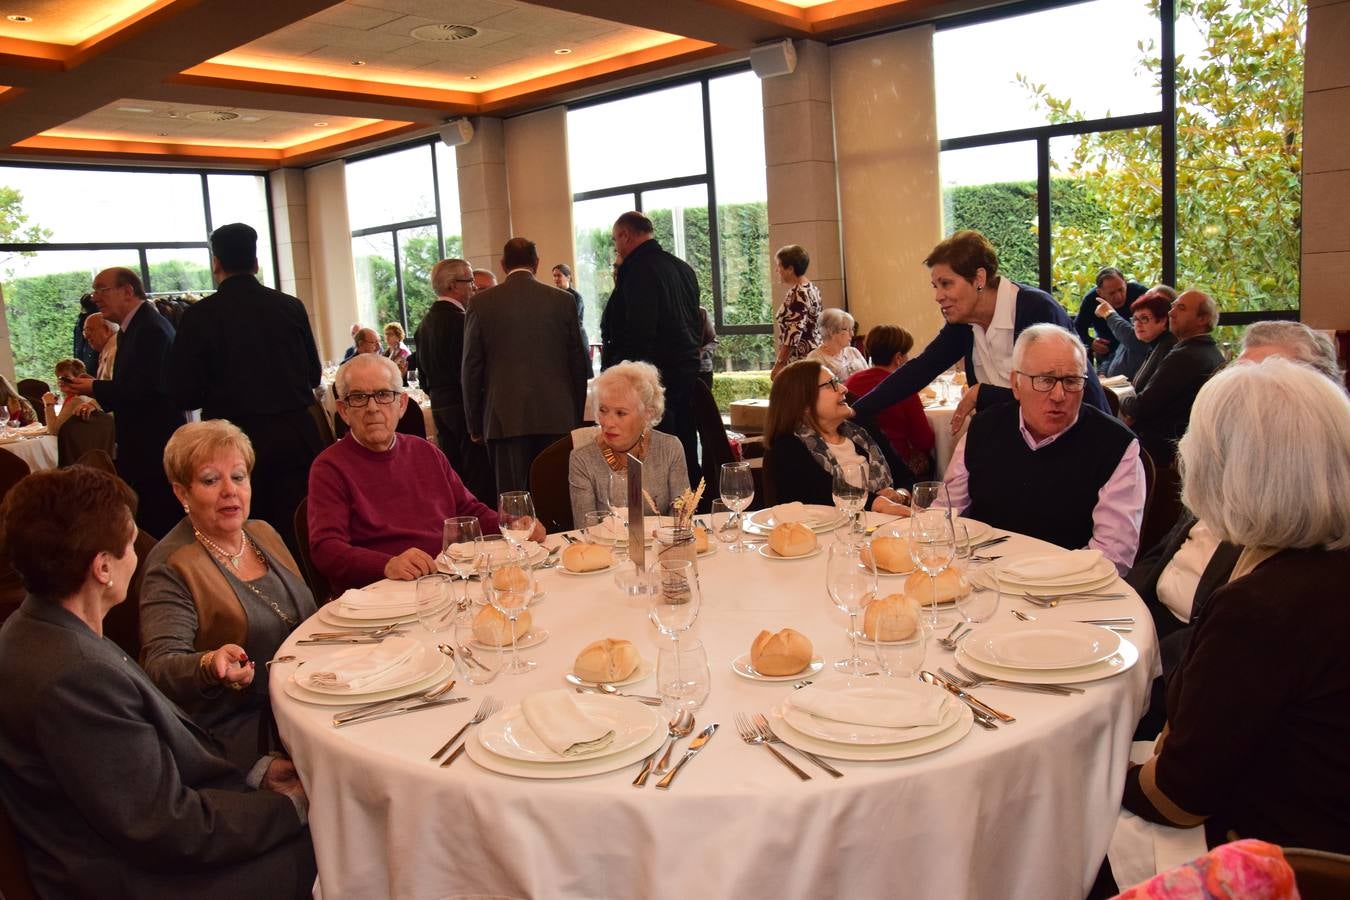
(22, 20)
(358, 62)
(134, 109)
(473, 77)
(163, 133)
(320, 124)
(171, 115)
(562, 51)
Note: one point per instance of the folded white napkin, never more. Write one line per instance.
(795, 511)
(1115, 381)
(366, 666)
(392, 602)
(884, 706)
(555, 717)
(1040, 567)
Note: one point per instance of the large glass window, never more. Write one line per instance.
(61, 225)
(712, 146)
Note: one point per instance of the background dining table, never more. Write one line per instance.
(33, 445)
(1025, 811)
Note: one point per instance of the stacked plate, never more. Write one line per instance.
(537, 553)
(1046, 653)
(977, 530)
(1055, 572)
(816, 517)
(506, 743)
(383, 603)
(417, 668)
(840, 739)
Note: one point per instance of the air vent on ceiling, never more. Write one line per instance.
(212, 115)
(444, 34)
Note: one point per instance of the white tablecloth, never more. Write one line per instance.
(940, 418)
(1026, 811)
(38, 450)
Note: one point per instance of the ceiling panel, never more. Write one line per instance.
(66, 21)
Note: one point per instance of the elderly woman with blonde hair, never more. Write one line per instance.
(1258, 710)
(629, 401)
(221, 591)
(836, 351)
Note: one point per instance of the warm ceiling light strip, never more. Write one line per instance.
(53, 55)
(33, 54)
(283, 82)
(839, 13)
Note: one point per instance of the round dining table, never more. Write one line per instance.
(32, 445)
(1023, 811)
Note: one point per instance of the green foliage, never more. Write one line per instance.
(14, 227)
(729, 386)
(419, 256)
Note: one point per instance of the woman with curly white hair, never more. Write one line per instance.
(629, 401)
(836, 351)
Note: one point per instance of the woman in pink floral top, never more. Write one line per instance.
(797, 320)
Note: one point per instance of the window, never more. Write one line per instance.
(710, 157)
(404, 211)
(61, 225)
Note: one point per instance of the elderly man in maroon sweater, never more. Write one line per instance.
(378, 500)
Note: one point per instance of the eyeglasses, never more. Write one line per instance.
(357, 399)
(834, 383)
(464, 281)
(99, 290)
(1143, 320)
(1073, 384)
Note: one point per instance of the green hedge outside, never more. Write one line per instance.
(729, 386)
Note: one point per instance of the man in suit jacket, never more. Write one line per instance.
(524, 372)
(144, 416)
(247, 354)
(1163, 408)
(440, 360)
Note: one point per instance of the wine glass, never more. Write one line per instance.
(434, 609)
(927, 494)
(683, 678)
(851, 579)
(932, 544)
(461, 545)
(947, 381)
(982, 602)
(849, 491)
(515, 516)
(618, 495)
(737, 487)
(677, 598)
(4, 419)
(508, 584)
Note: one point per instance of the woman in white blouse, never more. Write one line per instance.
(836, 351)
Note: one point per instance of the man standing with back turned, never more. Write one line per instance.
(247, 354)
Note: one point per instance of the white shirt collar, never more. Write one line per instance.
(1005, 306)
(1034, 444)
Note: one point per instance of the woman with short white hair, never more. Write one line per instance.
(1259, 708)
(836, 351)
(629, 402)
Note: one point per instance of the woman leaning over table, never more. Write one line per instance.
(797, 320)
(220, 591)
(808, 434)
(836, 351)
(1258, 734)
(629, 400)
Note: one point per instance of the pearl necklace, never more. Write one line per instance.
(234, 559)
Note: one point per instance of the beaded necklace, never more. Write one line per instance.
(235, 559)
(619, 462)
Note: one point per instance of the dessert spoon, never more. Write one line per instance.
(680, 726)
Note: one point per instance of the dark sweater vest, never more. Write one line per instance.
(1048, 493)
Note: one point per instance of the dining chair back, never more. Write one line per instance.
(318, 585)
(80, 436)
(97, 459)
(32, 389)
(412, 421)
(324, 423)
(1163, 507)
(12, 470)
(15, 883)
(1320, 875)
(1113, 401)
(549, 488)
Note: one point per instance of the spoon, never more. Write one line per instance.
(612, 691)
(281, 659)
(680, 726)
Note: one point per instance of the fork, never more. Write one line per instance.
(485, 709)
(974, 681)
(951, 641)
(751, 735)
(764, 728)
(974, 677)
(1050, 602)
(1115, 623)
(489, 706)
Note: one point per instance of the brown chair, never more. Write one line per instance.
(1150, 477)
(98, 459)
(1320, 875)
(715, 446)
(15, 883)
(1112, 401)
(12, 471)
(1163, 507)
(318, 584)
(325, 424)
(32, 389)
(80, 436)
(412, 421)
(549, 487)
(123, 621)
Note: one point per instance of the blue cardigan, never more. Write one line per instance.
(955, 342)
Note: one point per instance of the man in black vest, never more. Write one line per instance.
(1049, 466)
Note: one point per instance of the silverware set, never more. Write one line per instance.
(397, 706)
(488, 707)
(680, 727)
(1050, 601)
(352, 636)
(968, 679)
(694, 747)
(756, 730)
(1119, 624)
(985, 715)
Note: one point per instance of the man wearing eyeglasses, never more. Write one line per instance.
(1049, 465)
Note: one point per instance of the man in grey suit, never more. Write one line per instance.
(525, 369)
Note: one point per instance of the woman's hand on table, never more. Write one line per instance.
(539, 533)
(228, 665)
(411, 564)
(890, 502)
(964, 408)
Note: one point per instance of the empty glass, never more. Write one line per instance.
(515, 515)
(434, 609)
(618, 495)
(683, 678)
(851, 580)
(932, 544)
(461, 545)
(849, 491)
(676, 599)
(982, 602)
(477, 664)
(737, 486)
(901, 659)
(508, 584)
(724, 523)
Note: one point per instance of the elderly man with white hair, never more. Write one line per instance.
(1292, 340)
(378, 500)
(1050, 466)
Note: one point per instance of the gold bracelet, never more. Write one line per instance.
(206, 659)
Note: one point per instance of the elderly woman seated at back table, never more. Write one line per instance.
(836, 351)
(220, 591)
(112, 790)
(378, 500)
(808, 434)
(629, 401)
(1259, 709)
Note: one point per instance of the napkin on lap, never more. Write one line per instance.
(555, 717)
(886, 707)
(364, 667)
(1041, 566)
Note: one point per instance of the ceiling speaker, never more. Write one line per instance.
(770, 60)
(456, 132)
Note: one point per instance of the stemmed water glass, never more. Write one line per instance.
(676, 599)
(461, 545)
(512, 598)
(737, 487)
(515, 516)
(851, 579)
(849, 491)
(932, 544)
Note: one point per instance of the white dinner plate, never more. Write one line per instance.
(536, 553)
(854, 734)
(819, 518)
(878, 752)
(1124, 660)
(508, 734)
(330, 616)
(1019, 590)
(769, 553)
(530, 638)
(1103, 568)
(1041, 645)
(591, 765)
(563, 570)
(424, 662)
(645, 667)
(741, 666)
(976, 530)
(649, 522)
(297, 691)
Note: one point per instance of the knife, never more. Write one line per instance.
(973, 702)
(362, 709)
(339, 722)
(694, 746)
(989, 543)
(331, 641)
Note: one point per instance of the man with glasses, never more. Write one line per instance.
(1049, 465)
(440, 357)
(378, 500)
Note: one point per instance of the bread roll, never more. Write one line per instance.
(792, 539)
(606, 661)
(586, 557)
(511, 578)
(951, 584)
(785, 653)
(891, 554)
(893, 618)
(700, 539)
(494, 629)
